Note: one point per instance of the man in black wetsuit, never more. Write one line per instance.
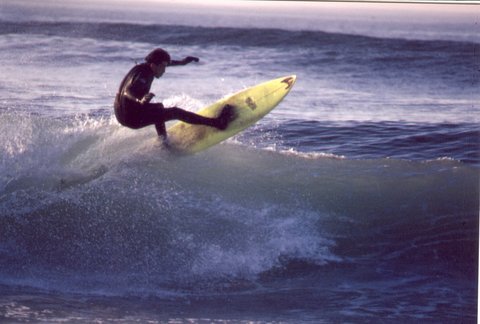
(132, 102)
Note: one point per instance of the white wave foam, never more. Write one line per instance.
(309, 155)
(266, 235)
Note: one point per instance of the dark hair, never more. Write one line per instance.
(158, 56)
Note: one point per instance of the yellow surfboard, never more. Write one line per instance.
(250, 105)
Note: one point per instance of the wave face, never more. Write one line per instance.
(125, 219)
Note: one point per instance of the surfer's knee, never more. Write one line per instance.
(173, 113)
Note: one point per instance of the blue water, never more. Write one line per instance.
(355, 200)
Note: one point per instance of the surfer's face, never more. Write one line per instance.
(158, 69)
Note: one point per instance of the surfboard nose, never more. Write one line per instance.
(290, 80)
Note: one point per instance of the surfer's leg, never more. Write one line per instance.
(161, 130)
(188, 117)
(156, 117)
(156, 114)
(220, 122)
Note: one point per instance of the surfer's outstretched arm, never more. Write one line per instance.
(185, 61)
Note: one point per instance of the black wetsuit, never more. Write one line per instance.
(131, 113)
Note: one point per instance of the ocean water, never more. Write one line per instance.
(355, 201)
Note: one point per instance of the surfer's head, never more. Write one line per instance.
(158, 56)
(158, 59)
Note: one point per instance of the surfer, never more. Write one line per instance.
(133, 108)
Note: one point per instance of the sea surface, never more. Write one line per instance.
(355, 201)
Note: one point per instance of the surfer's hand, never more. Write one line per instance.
(190, 59)
(147, 98)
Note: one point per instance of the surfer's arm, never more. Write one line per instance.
(185, 61)
(138, 86)
(146, 99)
(128, 94)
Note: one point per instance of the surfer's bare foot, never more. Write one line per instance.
(225, 117)
(162, 141)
